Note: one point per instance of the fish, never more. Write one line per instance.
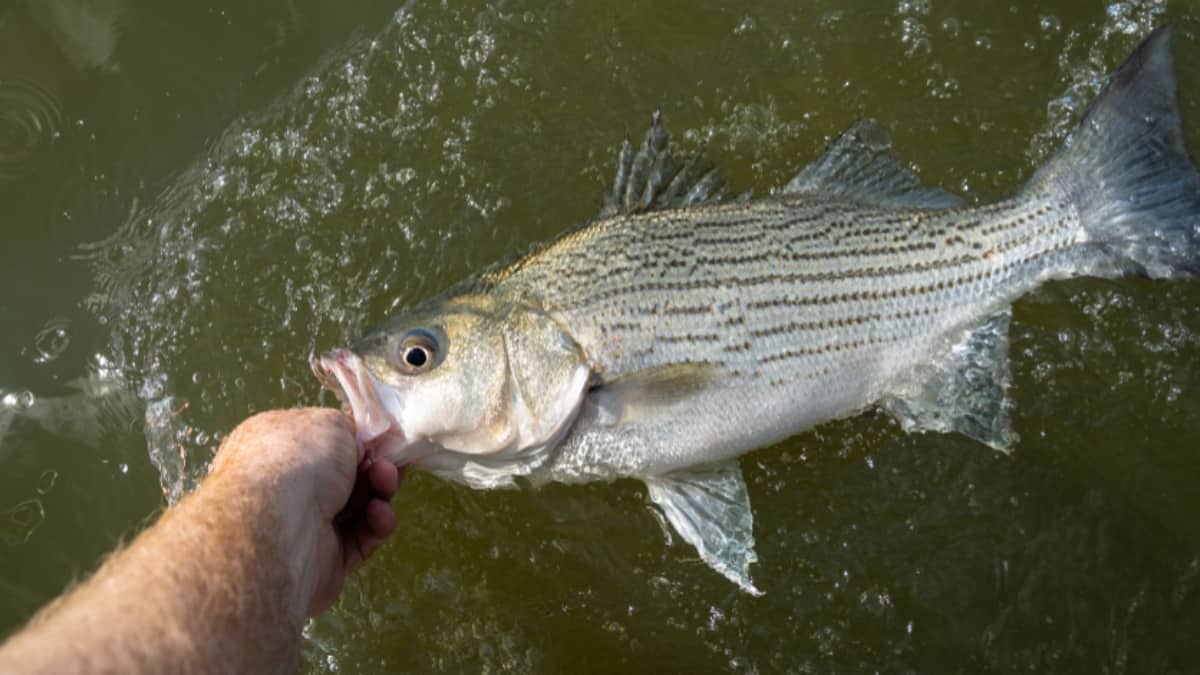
(681, 328)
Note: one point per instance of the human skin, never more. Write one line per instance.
(224, 580)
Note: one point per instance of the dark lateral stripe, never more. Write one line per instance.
(732, 239)
(650, 286)
(720, 223)
(689, 337)
(894, 249)
(656, 309)
(864, 296)
(621, 326)
(758, 224)
(676, 228)
(841, 322)
(790, 256)
(900, 291)
(688, 310)
(801, 352)
(793, 220)
(664, 235)
(822, 324)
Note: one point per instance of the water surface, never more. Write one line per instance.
(210, 194)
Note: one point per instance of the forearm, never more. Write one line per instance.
(206, 589)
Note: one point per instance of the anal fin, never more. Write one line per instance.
(710, 508)
(965, 390)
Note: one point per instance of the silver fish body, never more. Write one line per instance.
(676, 331)
(805, 307)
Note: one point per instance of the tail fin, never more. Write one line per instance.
(1127, 171)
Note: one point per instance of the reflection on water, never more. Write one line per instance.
(29, 118)
(47, 45)
(432, 143)
(18, 523)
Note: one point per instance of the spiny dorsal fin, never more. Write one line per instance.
(657, 178)
(860, 165)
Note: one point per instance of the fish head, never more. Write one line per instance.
(459, 379)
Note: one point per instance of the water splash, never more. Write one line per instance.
(219, 289)
(1085, 65)
(166, 453)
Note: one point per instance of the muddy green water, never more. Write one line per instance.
(207, 192)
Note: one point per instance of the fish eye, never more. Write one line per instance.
(416, 356)
(418, 351)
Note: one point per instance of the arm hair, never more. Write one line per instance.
(205, 589)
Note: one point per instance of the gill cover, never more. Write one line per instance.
(547, 379)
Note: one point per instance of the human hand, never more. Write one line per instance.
(331, 500)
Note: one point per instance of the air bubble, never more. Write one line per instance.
(921, 7)
(46, 481)
(52, 340)
(915, 37)
(22, 400)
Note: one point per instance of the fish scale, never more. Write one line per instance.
(660, 289)
(792, 299)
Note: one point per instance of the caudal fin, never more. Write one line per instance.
(1127, 172)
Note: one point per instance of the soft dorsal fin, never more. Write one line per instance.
(860, 165)
(656, 177)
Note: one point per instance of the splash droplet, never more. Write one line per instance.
(747, 24)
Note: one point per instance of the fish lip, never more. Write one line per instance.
(344, 373)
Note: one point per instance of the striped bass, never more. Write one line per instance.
(679, 330)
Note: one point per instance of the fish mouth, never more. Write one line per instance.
(344, 373)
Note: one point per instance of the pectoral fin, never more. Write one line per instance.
(710, 508)
(633, 396)
(964, 390)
